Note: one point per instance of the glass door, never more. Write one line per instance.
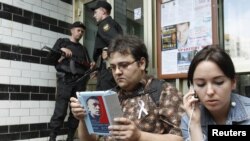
(91, 27)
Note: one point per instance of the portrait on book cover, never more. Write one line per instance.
(97, 114)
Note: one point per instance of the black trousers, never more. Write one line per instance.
(64, 92)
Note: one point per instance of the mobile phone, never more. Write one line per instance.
(195, 95)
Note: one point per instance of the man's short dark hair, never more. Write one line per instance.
(77, 24)
(92, 97)
(129, 44)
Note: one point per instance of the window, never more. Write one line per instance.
(129, 14)
(237, 32)
(237, 40)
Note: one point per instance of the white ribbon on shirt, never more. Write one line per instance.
(142, 109)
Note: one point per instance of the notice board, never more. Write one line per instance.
(184, 28)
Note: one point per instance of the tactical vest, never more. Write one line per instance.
(79, 63)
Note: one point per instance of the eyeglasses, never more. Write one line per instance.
(121, 66)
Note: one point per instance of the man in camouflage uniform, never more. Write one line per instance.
(145, 117)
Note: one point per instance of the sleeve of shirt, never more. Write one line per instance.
(57, 46)
(52, 57)
(184, 127)
(171, 109)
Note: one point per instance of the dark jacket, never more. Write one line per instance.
(107, 30)
(78, 63)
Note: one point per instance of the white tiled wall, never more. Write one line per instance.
(22, 73)
(16, 112)
(51, 8)
(30, 74)
(28, 36)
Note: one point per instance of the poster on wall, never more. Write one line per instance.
(186, 27)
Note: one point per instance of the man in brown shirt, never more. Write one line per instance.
(144, 118)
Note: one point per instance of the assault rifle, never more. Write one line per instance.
(61, 55)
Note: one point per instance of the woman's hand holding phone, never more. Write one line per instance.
(191, 105)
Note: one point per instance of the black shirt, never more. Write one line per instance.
(80, 60)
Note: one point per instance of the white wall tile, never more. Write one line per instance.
(17, 26)
(39, 82)
(40, 38)
(44, 119)
(67, 13)
(31, 74)
(52, 83)
(38, 67)
(7, 1)
(40, 10)
(50, 111)
(46, 104)
(9, 120)
(38, 112)
(47, 75)
(4, 104)
(31, 44)
(52, 69)
(47, 33)
(34, 2)
(14, 104)
(20, 65)
(31, 29)
(22, 4)
(68, 19)
(29, 119)
(6, 23)
(19, 112)
(21, 34)
(4, 80)
(10, 72)
(5, 31)
(49, 6)
(11, 40)
(39, 139)
(62, 35)
(54, 2)
(52, 41)
(29, 104)
(57, 15)
(19, 81)
(6, 63)
(4, 112)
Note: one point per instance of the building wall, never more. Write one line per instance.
(27, 82)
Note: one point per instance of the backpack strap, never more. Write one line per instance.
(154, 90)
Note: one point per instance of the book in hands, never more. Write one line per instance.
(102, 107)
